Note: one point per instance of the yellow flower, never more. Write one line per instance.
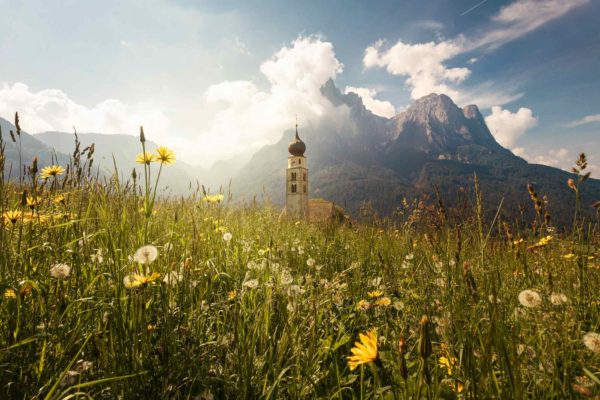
(145, 158)
(32, 202)
(10, 293)
(448, 362)
(165, 156)
(52, 170)
(384, 301)
(232, 295)
(135, 280)
(569, 256)
(12, 216)
(365, 351)
(213, 199)
(541, 243)
(363, 305)
(518, 242)
(375, 293)
(59, 199)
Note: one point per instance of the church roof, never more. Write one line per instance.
(297, 146)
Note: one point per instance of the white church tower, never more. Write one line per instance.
(296, 188)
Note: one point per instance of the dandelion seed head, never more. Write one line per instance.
(558, 298)
(591, 340)
(227, 236)
(530, 298)
(60, 271)
(146, 254)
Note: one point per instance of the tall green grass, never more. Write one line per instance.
(274, 310)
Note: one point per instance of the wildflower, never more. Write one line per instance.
(384, 301)
(365, 351)
(32, 202)
(145, 158)
(530, 298)
(52, 170)
(133, 281)
(286, 277)
(375, 293)
(251, 284)
(541, 243)
(363, 305)
(592, 341)
(232, 294)
(569, 256)
(227, 236)
(146, 254)
(60, 271)
(13, 216)
(172, 278)
(558, 298)
(10, 293)
(310, 262)
(98, 257)
(59, 199)
(165, 156)
(448, 362)
(518, 242)
(571, 184)
(213, 199)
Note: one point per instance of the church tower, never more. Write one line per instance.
(296, 188)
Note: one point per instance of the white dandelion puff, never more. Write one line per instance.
(251, 284)
(310, 262)
(558, 298)
(227, 236)
(146, 254)
(592, 341)
(530, 298)
(60, 271)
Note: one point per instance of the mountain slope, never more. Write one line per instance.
(30, 147)
(111, 149)
(433, 143)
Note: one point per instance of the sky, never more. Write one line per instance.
(217, 79)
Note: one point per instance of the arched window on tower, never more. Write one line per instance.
(300, 161)
(293, 176)
(304, 177)
(293, 188)
(304, 188)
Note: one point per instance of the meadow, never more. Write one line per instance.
(112, 290)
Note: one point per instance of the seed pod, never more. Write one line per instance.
(142, 136)
(424, 339)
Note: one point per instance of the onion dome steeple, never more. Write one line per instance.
(297, 146)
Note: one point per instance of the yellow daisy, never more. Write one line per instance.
(165, 156)
(375, 293)
(13, 216)
(135, 280)
(365, 351)
(52, 170)
(384, 301)
(145, 158)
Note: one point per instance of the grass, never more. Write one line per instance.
(240, 305)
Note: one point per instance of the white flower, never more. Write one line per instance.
(60, 271)
(592, 341)
(146, 254)
(294, 290)
(227, 236)
(310, 262)
(409, 256)
(172, 278)
(286, 277)
(251, 284)
(98, 257)
(558, 298)
(530, 298)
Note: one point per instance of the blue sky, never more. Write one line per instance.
(216, 78)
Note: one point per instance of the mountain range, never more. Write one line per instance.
(432, 147)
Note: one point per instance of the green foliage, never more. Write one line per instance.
(240, 305)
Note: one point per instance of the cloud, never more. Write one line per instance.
(52, 109)
(377, 107)
(588, 119)
(425, 64)
(507, 126)
(520, 18)
(248, 117)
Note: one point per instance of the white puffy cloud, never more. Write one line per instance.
(248, 117)
(507, 126)
(588, 119)
(52, 109)
(425, 64)
(377, 107)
